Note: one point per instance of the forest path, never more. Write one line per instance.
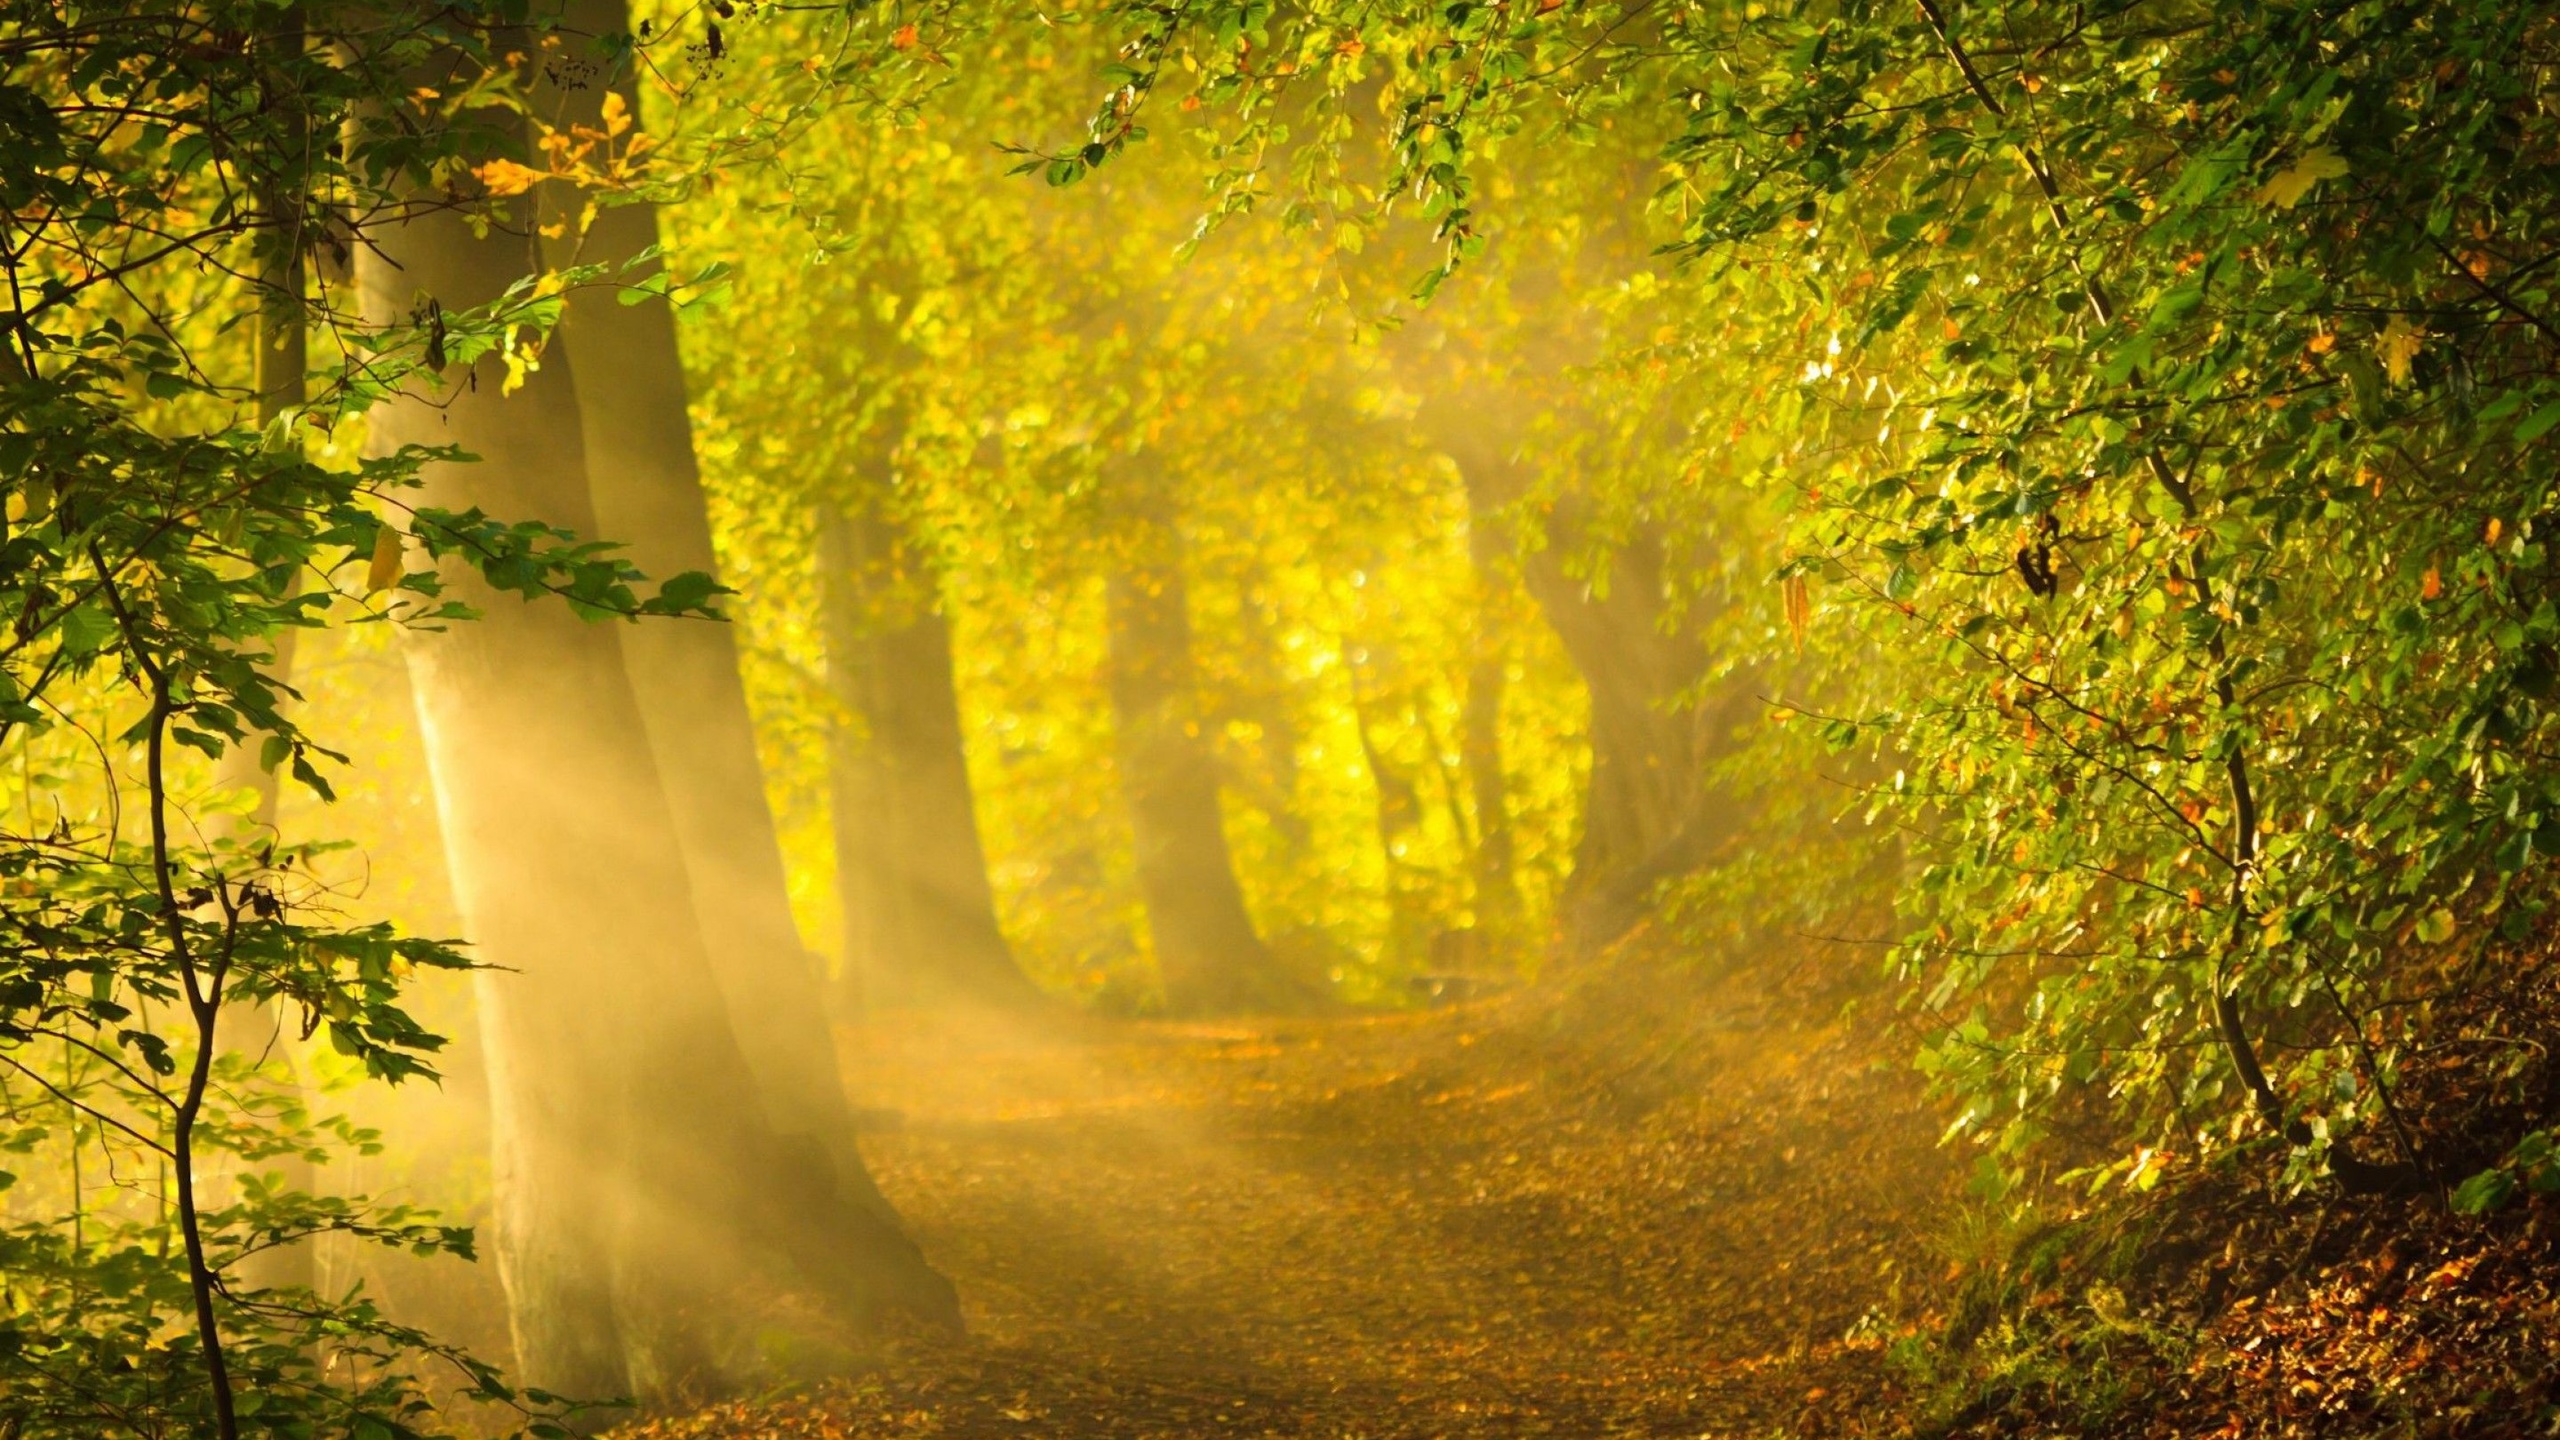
(1533, 1215)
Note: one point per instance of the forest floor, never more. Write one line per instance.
(1594, 1210)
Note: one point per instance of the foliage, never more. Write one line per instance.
(2126, 433)
(2175, 422)
(981, 363)
(173, 508)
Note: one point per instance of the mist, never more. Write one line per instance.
(1568, 720)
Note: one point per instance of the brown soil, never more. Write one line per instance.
(1640, 1206)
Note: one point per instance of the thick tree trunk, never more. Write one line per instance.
(1648, 813)
(648, 494)
(534, 859)
(1207, 951)
(1647, 751)
(920, 915)
(859, 796)
(641, 1188)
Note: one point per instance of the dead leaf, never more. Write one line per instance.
(506, 177)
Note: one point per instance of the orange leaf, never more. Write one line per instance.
(506, 177)
(1798, 606)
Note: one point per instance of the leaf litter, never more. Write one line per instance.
(1647, 1203)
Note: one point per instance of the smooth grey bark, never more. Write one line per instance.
(647, 490)
(643, 1195)
(280, 361)
(1647, 746)
(911, 867)
(1207, 951)
(528, 859)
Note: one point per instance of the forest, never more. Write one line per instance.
(840, 719)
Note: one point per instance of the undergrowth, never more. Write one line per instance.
(2221, 1300)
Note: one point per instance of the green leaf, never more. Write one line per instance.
(2485, 1192)
(87, 629)
(2535, 425)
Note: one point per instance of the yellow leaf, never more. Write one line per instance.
(522, 359)
(506, 177)
(2287, 187)
(17, 507)
(617, 115)
(2398, 345)
(384, 572)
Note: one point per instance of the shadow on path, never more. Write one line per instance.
(1543, 1214)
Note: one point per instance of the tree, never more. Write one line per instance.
(888, 267)
(1606, 586)
(620, 1090)
(924, 365)
(1206, 947)
(920, 916)
(647, 492)
(2165, 399)
(161, 544)
(1497, 883)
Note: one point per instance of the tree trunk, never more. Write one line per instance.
(280, 366)
(648, 494)
(1497, 883)
(1398, 818)
(1648, 813)
(1206, 948)
(281, 363)
(641, 1189)
(859, 800)
(1264, 697)
(920, 915)
(1646, 750)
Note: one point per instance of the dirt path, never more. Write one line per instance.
(1488, 1220)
